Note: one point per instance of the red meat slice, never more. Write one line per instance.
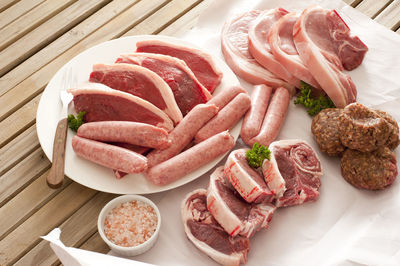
(324, 44)
(187, 90)
(199, 62)
(234, 44)
(102, 103)
(140, 82)
(260, 48)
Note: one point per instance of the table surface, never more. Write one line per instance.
(37, 38)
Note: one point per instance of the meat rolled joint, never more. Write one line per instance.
(234, 214)
(183, 133)
(255, 115)
(207, 235)
(226, 118)
(191, 159)
(126, 132)
(274, 118)
(109, 155)
(246, 181)
(293, 172)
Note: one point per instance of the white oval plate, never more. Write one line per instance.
(85, 172)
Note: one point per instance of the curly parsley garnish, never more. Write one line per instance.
(313, 105)
(75, 123)
(257, 155)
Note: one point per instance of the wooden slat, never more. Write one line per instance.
(95, 243)
(372, 8)
(75, 231)
(163, 17)
(13, 99)
(390, 16)
(22, 174)
(4, 4)
(46, 32)
(57, 47)
(18, 148)
(51, 215)
(352, 3)
(18, 121)
(27, 202)
(30, 20)
(17, 10)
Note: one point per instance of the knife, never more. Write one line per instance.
(55, 177)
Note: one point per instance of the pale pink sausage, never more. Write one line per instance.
(226, 118)
(184, 132)
(135, 133)
(138, 149)
(109, 155)
(255, 115)
(224, 97)
(274, 117)
(191, 159)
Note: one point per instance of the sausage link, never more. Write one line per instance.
(191, 159)
(226, 118)
(135, 133)
(255, 115)
(274, 117)
(183, 133)
(109, 155)
(225, 96)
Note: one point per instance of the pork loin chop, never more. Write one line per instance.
(233, 213)
(187, 90)
(295, 170)
(207, 235)
(138, 81)
(324, 44)
(234, 44)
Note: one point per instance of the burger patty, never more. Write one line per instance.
(393, 139)
(325, 128)
(369, 170)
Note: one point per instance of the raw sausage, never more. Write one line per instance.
(138, 149)
(255, 115)
(226, 118)
(224, 97)
(109, 155)
(135, 133)
(274, 117)
(191, 159)
(183, 133)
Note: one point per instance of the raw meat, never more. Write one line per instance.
(207, 235)
(138, 81)
(293, 172)
(187, 90)
(199, 62)
(234, 214)
(247, 182)
(280, 39)
(102, 103)
(324, 44)
(260, 48)
(234, 44)
(138, 149)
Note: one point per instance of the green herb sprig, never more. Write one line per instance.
(257, 155)
(75, 123)
(313, 105)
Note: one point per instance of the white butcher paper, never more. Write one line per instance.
(345, 226)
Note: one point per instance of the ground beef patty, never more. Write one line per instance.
(325, 127)
(393, 139)
(362, 129)
(369, 170)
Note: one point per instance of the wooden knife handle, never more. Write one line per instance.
(55, 178)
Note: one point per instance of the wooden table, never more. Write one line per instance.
(37, 37)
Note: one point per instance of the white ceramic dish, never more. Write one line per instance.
(86, 172)
(128, 251)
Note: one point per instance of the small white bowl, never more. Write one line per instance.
(128, 251)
